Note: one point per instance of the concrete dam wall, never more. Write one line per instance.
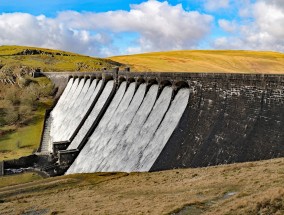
(123, 121)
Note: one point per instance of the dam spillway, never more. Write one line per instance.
(126, 121)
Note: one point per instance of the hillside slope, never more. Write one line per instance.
(206, 61)
(247, 188)
(49, 60)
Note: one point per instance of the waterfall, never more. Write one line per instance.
(93, 115)
(83, 107)
(63, 96)
(105, 162)
(121, 155)
(75, 107)
(78, 112)
(164, 132)
(132, 132)
(118, 105)
(59, 114)
(147, 131)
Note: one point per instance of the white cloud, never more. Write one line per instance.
(213, 5)
(276, 3)
(159, 25)
(228, 26)
(264, 32)
(25, 29)
(245, 8)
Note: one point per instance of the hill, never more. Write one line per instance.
(49, 60)
(206, 61)
(23, 100)
(247, 188)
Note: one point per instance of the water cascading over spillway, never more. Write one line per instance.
(71, 109)
(99, 139)
(81, 109)
(93, 116)
(164, 132)
(57, 113)
(46, 145)
(103, 160)
(60, 113)
(76, 114)
(121, 121)
(73, 106)
(125, 142)
(146, 132)
(121, 156)
(62, 100)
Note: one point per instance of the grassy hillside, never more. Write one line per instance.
(206, 61)
(49, 60)
(247, 188)
(20, 119)
(22, 110)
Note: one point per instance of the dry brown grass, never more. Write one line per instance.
(257, 188)
(206, 61)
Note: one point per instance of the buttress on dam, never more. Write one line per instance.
(121, 121)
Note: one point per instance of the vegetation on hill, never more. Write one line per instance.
(48, 60)
(23, 99)
(22, 107)
(246, 188)
(206, 61)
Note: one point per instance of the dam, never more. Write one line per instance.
(133, 122)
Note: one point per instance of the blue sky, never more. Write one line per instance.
(105, 28)
(51, 7)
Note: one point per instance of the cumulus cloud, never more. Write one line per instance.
(264, 32)
(228, 26)
(26, 29)
(212, 5)
(244, 7)
(277, 3)
(159, 25)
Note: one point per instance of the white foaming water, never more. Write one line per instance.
(146, 133)
(71, 111)
(82, 109)
(131, 136)
(93, 115)
(60, 104)
(61, 100)
(101, 150)
(122, 154)
(68, 107)
(77, 103)
(82, 162)
(106, 162)
(60, 112)
(164, 132)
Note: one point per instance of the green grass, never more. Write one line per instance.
(52, 60)
(24, 141)
(11, 180)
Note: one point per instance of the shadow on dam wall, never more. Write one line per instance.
(195, 120)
